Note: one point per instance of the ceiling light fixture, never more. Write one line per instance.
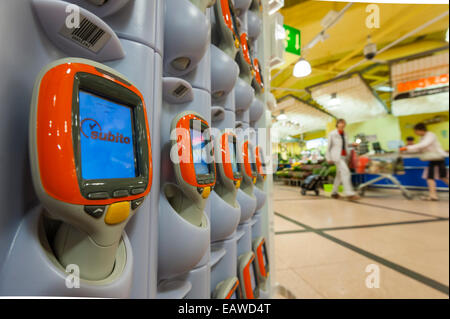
(334, 101)
(302, 68)
(282, 116)
(384, 88)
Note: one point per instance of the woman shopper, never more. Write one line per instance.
(337, 154)
(431, 150)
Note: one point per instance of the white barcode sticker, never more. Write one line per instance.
(88, 35)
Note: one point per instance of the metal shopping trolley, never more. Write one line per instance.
(385, 166)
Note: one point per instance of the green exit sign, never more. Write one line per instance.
(293, 40)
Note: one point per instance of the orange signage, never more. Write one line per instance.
(422, 83)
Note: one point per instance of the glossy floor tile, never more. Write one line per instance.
(309, 249)
(408, 241)
(349, 280)
(282, 225)
(415, 205)
(297, 286)
(421, 247)
(327, 213)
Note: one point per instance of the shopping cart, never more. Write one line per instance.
(385, 166)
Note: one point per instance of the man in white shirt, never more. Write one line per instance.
(430, 147)
(337, 154)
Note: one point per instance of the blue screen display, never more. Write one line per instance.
(106, 138)
(198, 153)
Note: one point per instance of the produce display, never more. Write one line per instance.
(297, 172)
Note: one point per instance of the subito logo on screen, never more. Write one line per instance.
(90, 128)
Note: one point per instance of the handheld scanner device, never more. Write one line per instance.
(260, 163)
(246, 49)
(250, 169)
(248, 276)
(244, 60)
(228, 27)
(90, 158)
(262, 260)
(228, 289)
(258, 75)
(194, 164)
(228, 167)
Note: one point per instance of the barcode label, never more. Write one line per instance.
(88, 35)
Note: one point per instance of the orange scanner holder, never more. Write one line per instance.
(226, 157)
(261, 257)
(259, 162)
(235, 290)
(245, 49)
(257, 70)
(248, 280)
(184, 148)
(249, 165)
(228, 19)
(56, 137)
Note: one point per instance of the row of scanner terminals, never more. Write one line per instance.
(91, 165)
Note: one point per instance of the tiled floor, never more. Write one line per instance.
(328, 248)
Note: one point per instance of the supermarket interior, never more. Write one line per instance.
(326, 248)
(224, 149)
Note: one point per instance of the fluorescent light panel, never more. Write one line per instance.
(307, 118)
(350, 99)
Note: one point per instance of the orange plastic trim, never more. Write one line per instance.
(262, 266)
(226, 159)
(259, 162)
(257, 72)
(245, 50)
(247, 165)
(248, 281)
(233, 290)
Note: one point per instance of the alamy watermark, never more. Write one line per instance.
(373, 19)
(73, 277)
(73, 16)
(373, 279)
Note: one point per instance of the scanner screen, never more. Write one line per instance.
(264, 253)
(199, 153)
(262, 160)
(232, 148)
(106, 138)
(252, 160)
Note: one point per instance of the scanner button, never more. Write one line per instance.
(100, 195)
(136, 203)
(95, 211)
(137, 191)
(206, 192)
(120, 193)
(117, 213)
